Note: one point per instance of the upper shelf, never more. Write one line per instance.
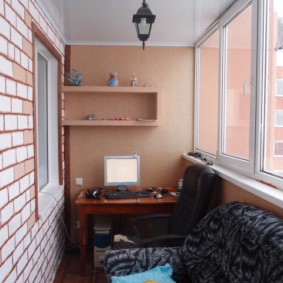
(105, 89)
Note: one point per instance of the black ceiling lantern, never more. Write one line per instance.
(143, 20)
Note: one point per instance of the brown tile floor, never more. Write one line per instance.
(69, 270)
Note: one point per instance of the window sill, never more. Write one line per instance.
(48, 198)
(268, 193)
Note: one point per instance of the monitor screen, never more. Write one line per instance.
(121, 170)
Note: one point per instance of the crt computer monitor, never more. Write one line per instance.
(121, 171)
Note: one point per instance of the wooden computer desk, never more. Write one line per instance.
(137, 206)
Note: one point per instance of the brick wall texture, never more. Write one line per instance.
(30, 249)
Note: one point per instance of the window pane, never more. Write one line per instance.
(273, 162)
(42, 126)
(237, 85)
(208, 94)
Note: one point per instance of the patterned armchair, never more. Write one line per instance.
(235, 242)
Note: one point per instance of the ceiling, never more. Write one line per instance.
(109, 22)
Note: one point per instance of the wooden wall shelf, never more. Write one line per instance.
(111, 105)
(109, 123)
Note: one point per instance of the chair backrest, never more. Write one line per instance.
(194, 199)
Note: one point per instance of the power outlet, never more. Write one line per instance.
(77, 224)
(79, 181)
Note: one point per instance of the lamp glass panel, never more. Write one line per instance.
(144, 27)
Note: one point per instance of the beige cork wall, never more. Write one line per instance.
(161, 147)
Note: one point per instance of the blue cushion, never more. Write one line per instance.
(159, 274)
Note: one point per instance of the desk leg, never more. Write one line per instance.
(83, 221)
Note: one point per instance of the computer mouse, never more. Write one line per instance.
(158, 195)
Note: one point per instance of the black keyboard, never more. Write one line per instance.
(126, 194)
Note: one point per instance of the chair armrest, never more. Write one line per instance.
(129, 261)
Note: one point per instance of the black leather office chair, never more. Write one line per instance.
(198, 184)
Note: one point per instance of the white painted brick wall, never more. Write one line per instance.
(20, 279)
(17, 138)
(32, 274)
(7, 248)
(11, 87)
(43, 23)
(18, 252)
(5, 103)
(31, 249)
(26, 269)
(26, 213)
(17, 55)
(3, 45)
(17, 6)
(12, 277)
(36, 255)
(30, 65)
(7, 212)
(9, 157)
(22, 153)
(1, 123)
(22, 27)
(27, 240)
(20, 235)
(31, 178)
(14, 190)
(4, 235)
(5, 268)
(11, 122)
(23, 122)
(3, 197)
(17, 106)
(16, 38)
(14, 224)
(1, 8)
(24, 183)
(2, 84)
(24, 60)
(28, 198)
(11, 50)
(30, 151)
(22, 263)
(32, 205)
(5, 141)
(30, 122)
(6, 177)
(30, 93)
(22, 90)
(10, 15)
(5, 27)
(34, 12)
(25, 3)
(19, 202)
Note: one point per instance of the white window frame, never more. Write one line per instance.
(52, 92)
(53, 190)
(212, 30)
(252, 172)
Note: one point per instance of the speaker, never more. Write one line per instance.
(93, 193)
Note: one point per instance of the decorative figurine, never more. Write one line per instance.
(134, 80)
(75, 77)
(91, 117)
(113, 81)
